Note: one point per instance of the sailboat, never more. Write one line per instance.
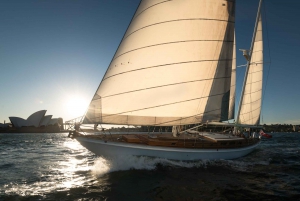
(176, 67)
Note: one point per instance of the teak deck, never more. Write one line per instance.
(203, 141)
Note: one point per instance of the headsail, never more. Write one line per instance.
(173, 66)
(252, 97)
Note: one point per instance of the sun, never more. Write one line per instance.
(76, 106)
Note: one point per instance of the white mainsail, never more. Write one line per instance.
(173, 66)
(252, 97)
(233, 83)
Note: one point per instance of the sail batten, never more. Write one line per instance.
(164, 86)
(178, 20)
(142, 9)
(172, 42)
(169, 64)
(155, 121)
(173, 66)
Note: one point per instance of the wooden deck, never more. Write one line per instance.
(196, 141)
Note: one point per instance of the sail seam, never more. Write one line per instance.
(176, 21)
(255, 72)
(255, 52)
(187, 41)
(250, 111)
(251, 102)
(254, 82)
(251, 119)
(164, 86)
(252, 92)
(183, 62)
(183, 118)
(151, 7)
(146, 108)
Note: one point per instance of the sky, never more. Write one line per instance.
(54, 53)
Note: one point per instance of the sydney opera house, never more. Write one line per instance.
(35, 123)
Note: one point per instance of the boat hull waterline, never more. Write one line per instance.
(110, 149)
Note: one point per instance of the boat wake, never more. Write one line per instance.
(103, 166)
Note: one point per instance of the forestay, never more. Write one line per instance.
(173, 66)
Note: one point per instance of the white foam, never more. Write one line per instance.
(103, 166)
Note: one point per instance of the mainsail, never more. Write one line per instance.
(252, 97)
(173, 66)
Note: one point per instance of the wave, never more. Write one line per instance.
(103, 166)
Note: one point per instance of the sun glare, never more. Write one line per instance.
(76, 106)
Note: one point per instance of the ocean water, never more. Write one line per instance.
(55, 167)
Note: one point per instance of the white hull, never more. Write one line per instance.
(108, 149)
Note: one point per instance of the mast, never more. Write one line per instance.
(233, 83)
(249, 61)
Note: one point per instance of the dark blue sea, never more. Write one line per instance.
(55, 167)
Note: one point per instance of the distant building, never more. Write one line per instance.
(37, 122)
(45, 121)
(33, 120)
(3, 125)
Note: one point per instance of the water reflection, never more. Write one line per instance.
(73, 144)
(55, 167)
(63, 166)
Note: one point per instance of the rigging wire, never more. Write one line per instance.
(269, 51)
